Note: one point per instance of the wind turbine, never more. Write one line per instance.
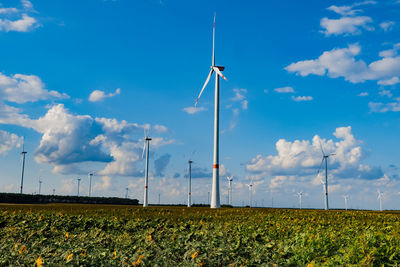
(230, 179)
(346, 199)
(79, 183)
(250, 185)
(126, 193)
(40, 185)
(325, 183)
(380, 197)
(215, 198)
(189, 203)
(90, 174)
(300, 196)
(23, 153)
(146, 147)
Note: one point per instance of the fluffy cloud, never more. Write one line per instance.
(8, 141)
(385, 107)
(97, 95)
(193, 110)
(14, 19)
(387, 25)
(302, 158)
(302, 98)
(349, 10)
(345, 25)
(68, 140)
(341, 62)
(21, 88)
(286, 89)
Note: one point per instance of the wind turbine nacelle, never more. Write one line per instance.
(220, 68)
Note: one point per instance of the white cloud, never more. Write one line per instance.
(160, 128)
(14, 19)
(245, 104)
(8, 141)
(302, 98)
(385, 93)
(302, 158)
(349, 10)
(341, 62)
(103, 185)
(391, 81)
(363, 94)
(345, 25)
(194, 110)
(385, 107)
(98, 95)
(387, 25)
(286, 89)
(21, 88)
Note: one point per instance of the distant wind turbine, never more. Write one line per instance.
(146, 147)
(325, 183)
(23, 153)
(380, 197)
(126, 193)
(79, 183)
(189, 202)
(90, 174)
(250, 185)
(346, 199)
(40, 186)
(215, 195)
(230, 179)
(300, 196)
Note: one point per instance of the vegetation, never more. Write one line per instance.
(65, 234)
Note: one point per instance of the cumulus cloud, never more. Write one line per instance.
(385, 107)
(387, 25)
(20, 88)
(8, 141)
(342, 62)
(302, 158)
(349, 10)
(346, 25)
(363, 94)
(302, 98)
(161, 163)
(98, 95)
(19, 20)
(194, 110)
(68, 140)
(286, 89)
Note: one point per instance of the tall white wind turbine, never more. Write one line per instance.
(189, 202)
(90, 175)
(40, 186)
(346, 201)
(215, 196)
(126, 193)
(23, 153)
(380, 197)
(230, 179)
(79, 183)
(146, 147)
(300, 196)
(325, 183)
(250, 185)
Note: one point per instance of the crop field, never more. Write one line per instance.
(58, 234)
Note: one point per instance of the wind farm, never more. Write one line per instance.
(115, 151)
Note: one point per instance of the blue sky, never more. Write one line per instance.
(82, 81)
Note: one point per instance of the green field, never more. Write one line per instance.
(175, 236)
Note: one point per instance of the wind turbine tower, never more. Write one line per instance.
(79, 183)
(250, 185)
(300, 195)
(90, 183)
(146, 178)
(189, 202)
(23, 153)
(346, 200)
(126, 193)
(380, 197)
(40, 185)
(325, 183)
(230, 179)
(215, 195)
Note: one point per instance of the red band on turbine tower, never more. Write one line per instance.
(145, 186)
(216, 166)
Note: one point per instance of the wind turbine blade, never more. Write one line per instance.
(213, 53)
(144, 148)
(219, 73)
(320, 145)
(204, 86)
(322, 161)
